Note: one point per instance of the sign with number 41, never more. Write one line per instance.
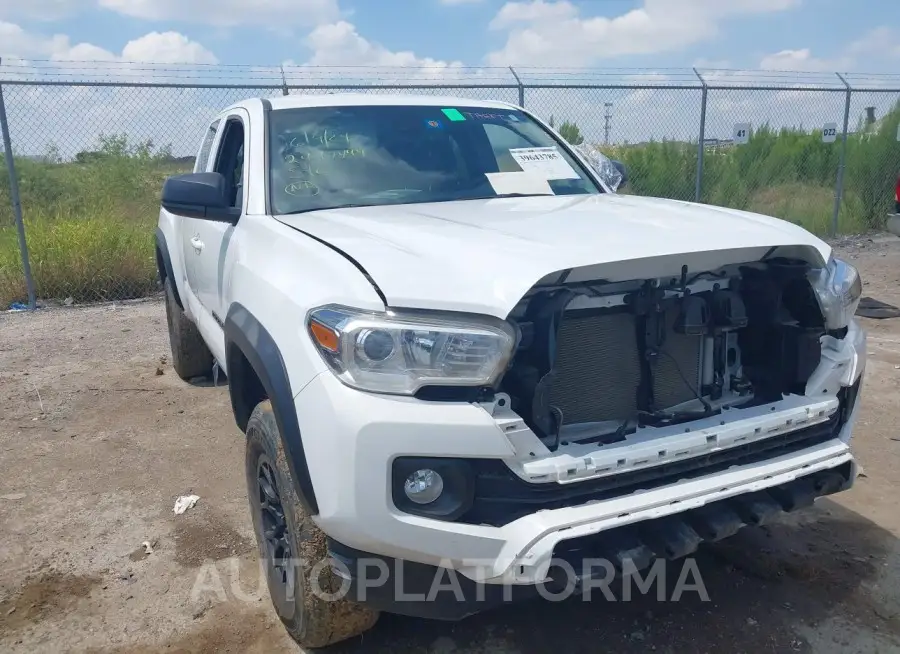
(741, 133)
(829, 133)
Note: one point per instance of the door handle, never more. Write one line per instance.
(196, 243)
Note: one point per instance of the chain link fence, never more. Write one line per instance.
(88, 147)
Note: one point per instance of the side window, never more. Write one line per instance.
(203, 157)
(230, 161)
(502, 140)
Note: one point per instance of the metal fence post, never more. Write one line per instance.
(284, 84)
(839, 188)
(700, 143)
(16, 203)
(521, 86)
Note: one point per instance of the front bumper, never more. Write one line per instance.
(579, 564)
(352, 440)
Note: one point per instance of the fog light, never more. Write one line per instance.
(423, 486)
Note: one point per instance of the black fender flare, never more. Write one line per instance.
(245, 335)
(164, 264)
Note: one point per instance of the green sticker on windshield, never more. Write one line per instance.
(453, 114)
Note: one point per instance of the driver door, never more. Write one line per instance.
(206, 242)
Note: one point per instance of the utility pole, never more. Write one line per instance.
(606, 118)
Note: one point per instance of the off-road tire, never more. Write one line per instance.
(190, 356)
(311, 619)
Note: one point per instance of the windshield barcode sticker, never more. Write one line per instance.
(547, 162)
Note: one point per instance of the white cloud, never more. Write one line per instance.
(554, 33)
(870, 52)
(83, 52)
(155, 47)
(874, 47)
(340, 44)
(802, 60)
(167, 48)
(275, 13)
(17, 43)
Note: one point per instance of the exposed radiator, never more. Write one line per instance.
(598, 368)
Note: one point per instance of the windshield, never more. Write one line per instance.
(327, 157)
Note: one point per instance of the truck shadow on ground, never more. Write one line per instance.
(763, 585)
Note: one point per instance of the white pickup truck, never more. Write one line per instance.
(455, 349)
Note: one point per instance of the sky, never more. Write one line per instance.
(805, 35)
(642, 39)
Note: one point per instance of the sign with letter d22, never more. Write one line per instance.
(829, 133)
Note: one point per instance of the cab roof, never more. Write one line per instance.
(361, 99)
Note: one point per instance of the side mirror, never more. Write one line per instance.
(622, 171)
(199, 195)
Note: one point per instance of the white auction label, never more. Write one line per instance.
(829, 133)
(546, 162)
(741, 133)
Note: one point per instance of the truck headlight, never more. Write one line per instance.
(399, 353)
(838, 289)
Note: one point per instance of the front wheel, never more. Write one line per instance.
(304, 590)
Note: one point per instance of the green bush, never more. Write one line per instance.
(89, 223)
(788, 173)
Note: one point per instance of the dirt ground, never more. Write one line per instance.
(98, 437)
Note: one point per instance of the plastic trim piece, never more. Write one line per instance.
(245, 333)
(166, 269)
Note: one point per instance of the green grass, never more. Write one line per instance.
(811, 207)
(88, 258)
(789, 174)
(90, 222)
(12, 282)
(89, 225)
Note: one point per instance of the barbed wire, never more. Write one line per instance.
(84, 72)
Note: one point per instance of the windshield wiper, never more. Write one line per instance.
(509, 195)
(337, 206)
(354, 205)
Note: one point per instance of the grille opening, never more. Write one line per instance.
(598, 361)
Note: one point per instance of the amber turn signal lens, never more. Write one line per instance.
(325, 336)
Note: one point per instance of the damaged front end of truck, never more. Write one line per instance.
(720, 396)
(595, 376)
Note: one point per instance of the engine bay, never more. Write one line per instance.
(596, 361)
